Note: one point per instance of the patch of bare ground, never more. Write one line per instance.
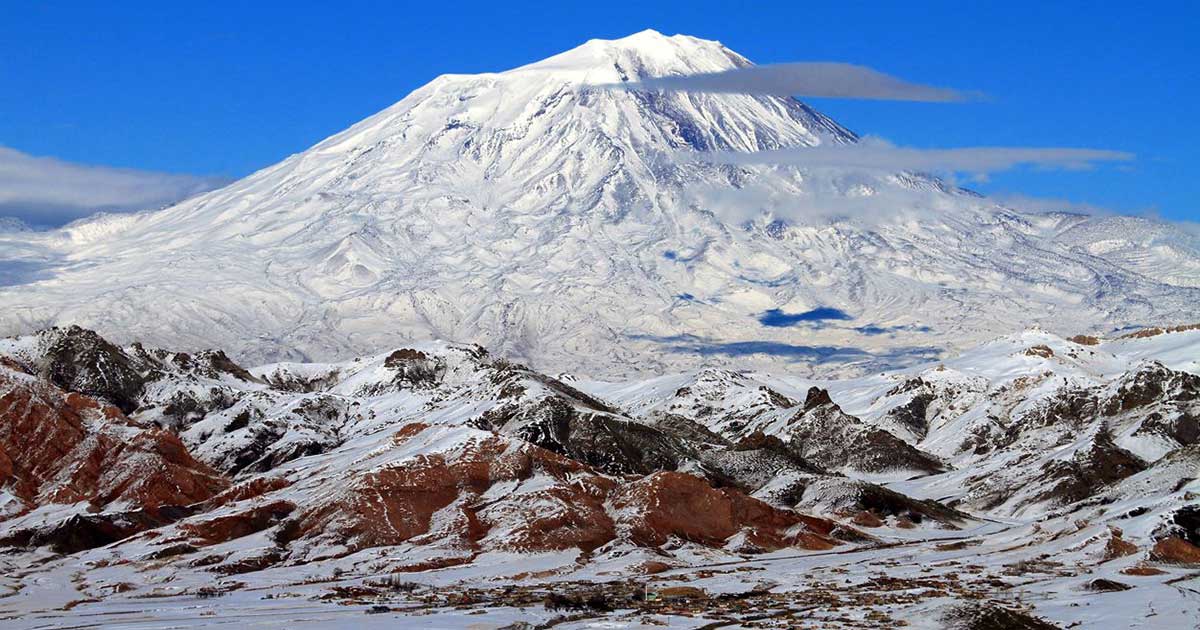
(1155, 331)
(870, 603)
(986, 616)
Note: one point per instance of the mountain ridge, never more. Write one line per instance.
(1029, 465)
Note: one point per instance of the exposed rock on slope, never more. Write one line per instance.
(822, 433)
(435, 455)
(70, 450)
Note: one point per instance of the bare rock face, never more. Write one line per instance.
(79, 360)
(1187, 523)
(983, 616)
(755, 461)
(668, 504)
(225, 527)
(913, 415)
(68, 448)
(1090, 471)
(1175, 551)
(1152, 383)
(263, 430)
(249, 489)
(1087, 471)
(80, 532)
(415, 369)
(828, 437)
(395, 504)
(610, 443)
(855, 497)
(1117, 547)
(568, 506)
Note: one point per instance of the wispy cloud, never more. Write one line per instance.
(874, 154)
(48, 191)
(1028, 203)
(807, 79)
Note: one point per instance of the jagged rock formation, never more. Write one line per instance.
(436, 456)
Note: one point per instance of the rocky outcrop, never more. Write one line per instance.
(1150, 384)
(664, 505)
(1089, 471)
(264, 430)
(79, 360)
(396, 503)
(1175, 550)
(67, 448)
(83, 531)
(86, 455)
(758, 460)
(826, 436)
(610, 443)
(868, 501)
(254, 518)
(568, 506)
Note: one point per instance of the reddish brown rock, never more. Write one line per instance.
(667, 504)
(652, 567)
(1176, 551)
(1155, 331)
(247, 490)
(867, 519)
(1039, 351)
(569, 506)
(65, 448)
(560, 517)
(250, 520)
(407, 431)
(1118, 547)
(392, 505)
(1142, 571)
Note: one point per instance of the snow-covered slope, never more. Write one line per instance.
(1031, 464)
(568, 225)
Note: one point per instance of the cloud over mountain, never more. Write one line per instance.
(879, 155)
(808, 79)
(49, 191)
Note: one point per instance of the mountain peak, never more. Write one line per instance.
(643, 54)
(554, 219)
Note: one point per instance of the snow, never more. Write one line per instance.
(558, 221)
(1008, 543)
(531, 211)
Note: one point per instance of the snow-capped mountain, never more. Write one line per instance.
(577, 227)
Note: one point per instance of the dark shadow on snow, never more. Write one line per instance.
(692, 344)
(776, 318)
(18, 272)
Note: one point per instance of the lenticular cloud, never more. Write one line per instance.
(877, 154)
(809, 79)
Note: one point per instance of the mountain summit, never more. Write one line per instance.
(574, 225)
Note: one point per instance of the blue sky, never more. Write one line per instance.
(225, 88)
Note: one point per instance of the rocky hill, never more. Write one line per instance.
(1031, 464)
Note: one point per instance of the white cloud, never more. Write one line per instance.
(874, 154)
(807, 79)
(47, 191)
(1027, 203)
(868, 200)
